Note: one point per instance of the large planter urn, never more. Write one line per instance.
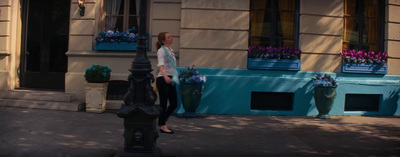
(190, 96)
(324, 98)
(96, 97)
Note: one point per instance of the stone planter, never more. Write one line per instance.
(324, 98)
(96, 97)
(191, 96)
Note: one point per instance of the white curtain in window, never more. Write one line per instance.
(112, 8)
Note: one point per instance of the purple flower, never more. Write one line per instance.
(269, 52)
(358, 56)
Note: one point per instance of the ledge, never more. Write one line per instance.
(106, 54)
(94, 53)
(4, 53)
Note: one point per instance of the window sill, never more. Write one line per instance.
(364, 68)
(4, 53)
(94, 53)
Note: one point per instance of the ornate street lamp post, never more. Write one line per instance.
(139, 111)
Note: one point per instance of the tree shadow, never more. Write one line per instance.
(392, 101)
(342, 136)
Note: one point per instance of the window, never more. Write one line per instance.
(272, 101)
(363, 25)
(121, 14)
(274, 22)
(362, 102)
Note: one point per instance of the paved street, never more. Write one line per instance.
(34, 132)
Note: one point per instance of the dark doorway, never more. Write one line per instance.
(44, 43)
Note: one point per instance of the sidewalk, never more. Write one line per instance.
(33, 132)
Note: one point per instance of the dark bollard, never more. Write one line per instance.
(140, 133)
(139, 111)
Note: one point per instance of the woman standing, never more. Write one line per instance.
(166, 79)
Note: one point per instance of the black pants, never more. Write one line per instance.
(166, 92)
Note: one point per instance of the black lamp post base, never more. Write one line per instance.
(156, 153)
(139, 111)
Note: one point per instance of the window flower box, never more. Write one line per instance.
(273, 64)
(364, 68)
(123, 46)
(273, 58)
(357, 61)
(115, 40)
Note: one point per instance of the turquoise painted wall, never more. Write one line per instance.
(228, 91)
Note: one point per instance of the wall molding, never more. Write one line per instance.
(160, 19)
(332, 35)
(216, 9)
(81, 34)
(217, 49)
(83, 18)
(320, 15)
(214, 29)
(5, 53)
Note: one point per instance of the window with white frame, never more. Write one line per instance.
(121, 15)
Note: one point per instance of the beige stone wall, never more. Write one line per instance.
(5, 11)
(392, 40)
(5, 18)
(321, 35)
(78, 61)
(83, 31)
(165, 16)
(214, 33)
(207, 33)
(9, 43)
(81, 39)
(82, 28)
(4, 74)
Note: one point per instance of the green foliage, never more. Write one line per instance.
(97, 74)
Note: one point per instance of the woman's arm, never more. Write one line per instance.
(166, 78)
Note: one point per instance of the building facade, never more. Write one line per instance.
(50, 47)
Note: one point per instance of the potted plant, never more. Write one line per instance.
(191, 89)
(357, 61)
(97, 77)
(273, 58)
(115, 40)
(324, 94)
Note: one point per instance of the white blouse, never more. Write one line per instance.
(163, 60)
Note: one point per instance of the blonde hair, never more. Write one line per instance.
(161, 38)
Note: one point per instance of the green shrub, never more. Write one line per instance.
(97, 74)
